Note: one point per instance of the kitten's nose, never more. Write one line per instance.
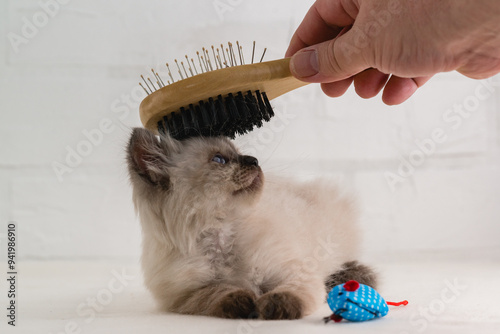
(247, 160)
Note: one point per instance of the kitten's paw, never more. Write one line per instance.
(352, 270)
(279, 306)
(239, 304)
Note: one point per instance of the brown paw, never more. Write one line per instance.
(239, 304)
(279, 306)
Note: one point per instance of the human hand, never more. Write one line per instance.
(394, 44)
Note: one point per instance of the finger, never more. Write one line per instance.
(336, 89)
(332, 60)
(369, 82)
(323, 21)
(397, 90)
(481, 67)
(311, 32)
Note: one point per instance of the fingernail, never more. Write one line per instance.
(305, 63)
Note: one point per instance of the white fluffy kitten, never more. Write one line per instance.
(219, 241)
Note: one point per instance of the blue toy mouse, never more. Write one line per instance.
(357, 302)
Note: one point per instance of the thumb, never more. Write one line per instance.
(333, 60)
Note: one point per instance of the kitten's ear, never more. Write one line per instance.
(148, 157)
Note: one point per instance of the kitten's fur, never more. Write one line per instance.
(218, 242)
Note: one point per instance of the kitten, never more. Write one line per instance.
(219, 241)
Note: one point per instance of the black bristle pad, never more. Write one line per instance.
(205, 121)
(243, 109)
(234, 114)
(174, 125)
(232, 108)
(186, 123)
(221, 116)
(161, 125)
(194, 117)
(268, 105)
(202, 118)
(243, 113)
(212, 112)
(255, 114)
(262, 106)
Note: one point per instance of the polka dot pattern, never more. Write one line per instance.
(363, 304)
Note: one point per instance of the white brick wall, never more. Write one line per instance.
(82, 68)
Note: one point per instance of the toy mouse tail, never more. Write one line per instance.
(404, 302)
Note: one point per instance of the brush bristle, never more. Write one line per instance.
(223, 116)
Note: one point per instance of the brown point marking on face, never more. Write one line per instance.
(248, 177)
(208, 171)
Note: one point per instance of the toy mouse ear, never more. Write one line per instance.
(351, 286)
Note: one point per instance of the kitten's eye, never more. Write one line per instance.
(219, 159)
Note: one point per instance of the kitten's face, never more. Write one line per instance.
(197, 172)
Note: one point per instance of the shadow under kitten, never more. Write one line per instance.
(220, 241)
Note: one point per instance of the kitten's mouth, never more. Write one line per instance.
(252, 184)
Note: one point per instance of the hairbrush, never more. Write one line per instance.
(222, 96)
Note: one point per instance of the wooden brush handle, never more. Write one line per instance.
(272, 77)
